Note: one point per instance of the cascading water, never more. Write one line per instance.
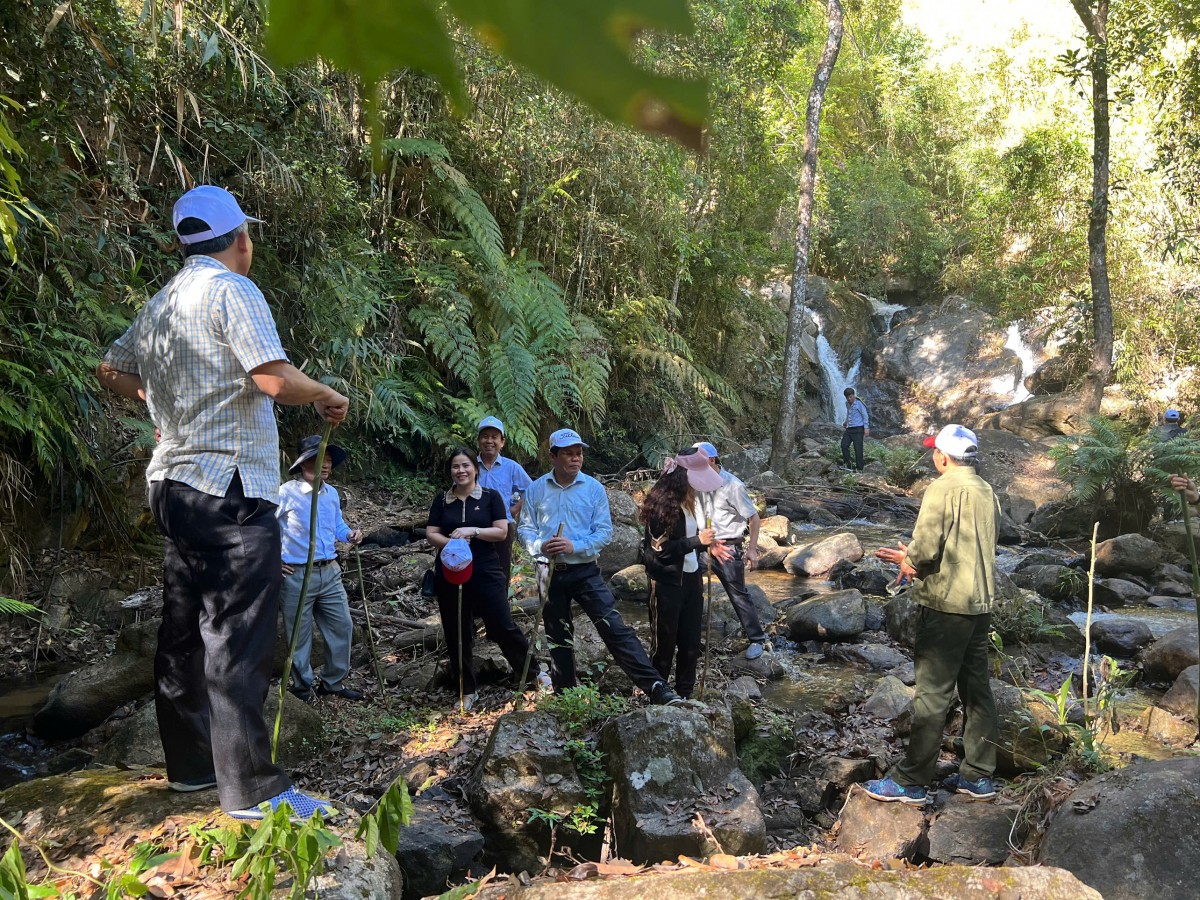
(836, 381)
(886, 312)
(1014, 386)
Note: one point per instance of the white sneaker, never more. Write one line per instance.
(469, 702)
(544, 683)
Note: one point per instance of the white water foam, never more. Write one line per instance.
(886, 311)
(1013, 386)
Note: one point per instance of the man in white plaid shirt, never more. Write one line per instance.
(205, 356)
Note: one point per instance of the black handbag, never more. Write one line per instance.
(427, 589)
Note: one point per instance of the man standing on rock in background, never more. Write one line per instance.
(506, 477)
(857, 425)
(952, 561)
(733, 513)
(205, 356)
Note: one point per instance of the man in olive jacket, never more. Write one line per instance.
(952, 561)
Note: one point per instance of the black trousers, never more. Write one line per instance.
(212, 669)
(584, 585)
(853, 436)
(504, 551)
(732, 575)
(676, 614)
(485, 597)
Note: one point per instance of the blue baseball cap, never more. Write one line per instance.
(490, 422)
(565, 437)
(215, 207)
(1171, 415)
(708, 448)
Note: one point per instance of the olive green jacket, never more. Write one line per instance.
(953, 547)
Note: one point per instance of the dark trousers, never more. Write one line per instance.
(732, 575)
(676, 613)
(951, 651)
(221, 578)
(485, 597)
(584, 585)
(853, 436)
(504, 552)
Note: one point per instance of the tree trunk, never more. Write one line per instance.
(1094, 14)
(785, 426)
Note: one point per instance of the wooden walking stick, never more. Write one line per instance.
(708, 612)
(459, 623)
(318, 464)
(362, 587)
(1187, 525)
(537, 617)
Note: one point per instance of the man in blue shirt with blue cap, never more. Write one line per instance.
(565, 497)
(506, 477)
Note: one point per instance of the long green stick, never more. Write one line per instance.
(318, 465)
(362, 587)
(461, 700)
(1187, 524)
(537, 617)
(708, 613)
(1087, 630)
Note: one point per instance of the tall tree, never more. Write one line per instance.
(1094, 15)
(785, 425)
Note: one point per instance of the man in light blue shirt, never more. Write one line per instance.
(857, 426)
(506, 477)
(326, 603)
(565, 499)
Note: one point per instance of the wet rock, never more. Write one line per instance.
(622, 551)
(669, 763)
(772, 557)
(906, 672)
(1023, 745)
(901, 619)
(1175, 537)
(1128, 553)
(1120, 637)
(622, 506)
(819, 557)
(841, 614)
(876, 657)
(819, 515)
(775, 527)
(1143, 817)
(766, 667)
(1169, 572)
(137, 743)
(1171, 654)
(764, 480)
(1165, 728)
(524, 766)
(871, 576)
(1181, 698)
(1171, 589)
(744, 686)
(837, 878)
(969, 833)
(742, 711)
(870, 829)
(1055, 582)
(630, 584)
(876, 618)
(787, 803)
(892, 699)
(1117, 592)
(438, 846)
(1063, 519)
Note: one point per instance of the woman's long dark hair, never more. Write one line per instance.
(663, 504)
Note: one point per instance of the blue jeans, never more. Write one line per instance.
(326, 605)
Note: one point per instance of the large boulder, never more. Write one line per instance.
(900, 618)
(91, 819)
(622, 506)
(772, 556)
(1117, 592)
(878, 657)
(1129, 833)
(1171, 654)
(891, 700)
(622, 551)
(136, 742)
(668, 764)
(1023, 746)
(841, 614)
(819, 557)
(776, 528)
(1064, 519)
(1020, 473)
(438, 846)
(837, 878)
(630, 583)
(1128, 553)
(524, 766)
(968, 833)
(874, 830)
(1051, 581)
(1120, 636)
(1181, 698)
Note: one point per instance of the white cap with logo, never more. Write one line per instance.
(956, 442)
(215, 207)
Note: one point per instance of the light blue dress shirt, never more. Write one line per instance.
(856, 415)
(504, 476)
(295, 507)
(582, 506)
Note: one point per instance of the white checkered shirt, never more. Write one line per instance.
(193, 345)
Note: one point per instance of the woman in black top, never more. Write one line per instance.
(476, 514)
(669, 551)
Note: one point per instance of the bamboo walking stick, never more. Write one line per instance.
(708, 612)
(318, 464)
(459, 628)
(362, 587)
(1187, 525)
(537, 617)
(1087, 631)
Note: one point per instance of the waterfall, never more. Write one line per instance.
(836, 381)
(886, 311)
(1014, 385)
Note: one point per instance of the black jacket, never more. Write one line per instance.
(666, 563)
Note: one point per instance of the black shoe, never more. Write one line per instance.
(662, 695)
(344, 692)
(304, 695)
